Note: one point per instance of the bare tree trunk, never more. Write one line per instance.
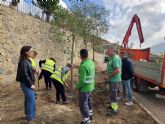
(42, 17)
(93, 51)
(85, 43)
(72, 59)
(47, 15)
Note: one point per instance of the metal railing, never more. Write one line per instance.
(28, 7)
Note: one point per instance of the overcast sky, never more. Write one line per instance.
(150, 12)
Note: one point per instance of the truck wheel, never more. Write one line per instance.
(135, 85)
(140, 85)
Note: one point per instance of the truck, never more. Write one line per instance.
(105, 56)
(147, 73)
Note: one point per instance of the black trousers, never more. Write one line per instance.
(47, 75)
(60, 90)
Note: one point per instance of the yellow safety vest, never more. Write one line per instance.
(33, 62)
(49, 65)
(57, 75)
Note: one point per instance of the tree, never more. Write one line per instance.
(66, 21)
(48, 6)
(93, 18)
(97, 43)
(15, 2)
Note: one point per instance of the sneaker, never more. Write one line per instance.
(86, 122)
(111, 113)
(129, 103)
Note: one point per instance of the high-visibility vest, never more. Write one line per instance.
(33, 62)
(58, 76)
(49, 65)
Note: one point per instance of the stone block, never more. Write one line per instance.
(2, 79)
(8, 72)
(15, 60)
(9, 79)
(1, 70)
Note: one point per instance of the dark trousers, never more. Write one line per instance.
(29, 103)
(85, 104)
(113, 86)
(47, 75)
(60, 90)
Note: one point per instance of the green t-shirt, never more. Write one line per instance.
(87, 68)
(114, 62)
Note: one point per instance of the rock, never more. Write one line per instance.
(13, 36)
(15, 60)
(8, 72)
(9, 79)
(1, 70)
(43, 122)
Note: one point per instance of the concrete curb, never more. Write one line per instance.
(145, 109)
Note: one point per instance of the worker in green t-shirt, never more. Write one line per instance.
(113, 77)
(86, 85)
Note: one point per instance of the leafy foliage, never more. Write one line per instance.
(48, 6)
(15, 2)
(93, 18)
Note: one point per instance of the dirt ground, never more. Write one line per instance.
(12, 112)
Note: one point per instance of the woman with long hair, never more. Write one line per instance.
(25, 75)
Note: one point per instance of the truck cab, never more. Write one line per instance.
(106, 57)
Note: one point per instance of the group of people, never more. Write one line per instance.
(26, 76)
(119, 69)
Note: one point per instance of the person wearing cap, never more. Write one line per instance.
(113, 76)
(127, 75)
(58, 78)
(86, 86)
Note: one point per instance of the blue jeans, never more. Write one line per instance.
(128, 89)
(29, 103)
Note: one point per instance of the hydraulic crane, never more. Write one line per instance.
(136, 20)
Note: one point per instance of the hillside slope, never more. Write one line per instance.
(18, 29)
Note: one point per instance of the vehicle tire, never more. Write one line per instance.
(135, 85)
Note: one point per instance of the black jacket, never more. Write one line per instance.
(127, 69)
(25, 73)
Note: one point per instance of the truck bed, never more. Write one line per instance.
(148, 70)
